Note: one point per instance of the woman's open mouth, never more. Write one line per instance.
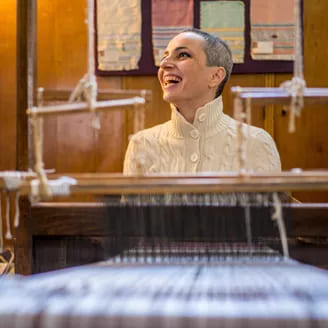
(170, 80)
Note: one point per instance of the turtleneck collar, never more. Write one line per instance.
(209, 120)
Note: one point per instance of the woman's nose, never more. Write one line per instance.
(166, 62)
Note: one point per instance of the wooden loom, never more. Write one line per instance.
(287, 181)
(65, 234)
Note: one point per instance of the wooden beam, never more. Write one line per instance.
(87, 219)
(83, 107)
(103, 94)
(26, 77)
(118, 184)
(267, 96)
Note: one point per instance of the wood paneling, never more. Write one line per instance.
(8, 85)
(71, 144)
(159, 111)
(245, 80)
(307, 148)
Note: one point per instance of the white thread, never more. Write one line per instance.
(278, 217)
(37, 123)
(240, 116)
(17, 211)
(12, 182)
(8, 232)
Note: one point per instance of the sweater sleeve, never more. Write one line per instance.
(263, 153)
(137, 160)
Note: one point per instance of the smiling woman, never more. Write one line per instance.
(199, 137)
(194, 82)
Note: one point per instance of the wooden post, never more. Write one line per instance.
(26, 77)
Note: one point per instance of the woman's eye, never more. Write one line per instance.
(184, 55)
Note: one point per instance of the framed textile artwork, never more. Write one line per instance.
(132, 35)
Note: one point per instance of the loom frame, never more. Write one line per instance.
(26, 95)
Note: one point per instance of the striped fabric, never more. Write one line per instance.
(118, 34)
(225, 19)
(273, 29)
(228, 294)
(168, 19)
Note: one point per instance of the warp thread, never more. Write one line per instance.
(278, 217)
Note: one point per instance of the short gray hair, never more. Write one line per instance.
(217, 54)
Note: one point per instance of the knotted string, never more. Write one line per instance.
(296, 86)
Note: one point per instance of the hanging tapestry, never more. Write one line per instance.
(118, 34)
(169, 17)
(225, 19)
(273, 26)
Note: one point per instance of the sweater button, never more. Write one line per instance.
(194, 157)
(201, 117)
(194, 134)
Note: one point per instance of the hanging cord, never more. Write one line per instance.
(139, 114)
(240, 116)
(37, 125)
(17, 211)
(296, 86)
(278, 217)
(87, 87)
(8, 232)
(12, 181)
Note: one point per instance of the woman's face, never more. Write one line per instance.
(184, 75)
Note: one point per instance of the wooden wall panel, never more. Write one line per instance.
(245, 80)
(71, 144)
(307, 148)
(8, 85)
(7, 96)
(159, 111)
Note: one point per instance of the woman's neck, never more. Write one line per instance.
(188, 109)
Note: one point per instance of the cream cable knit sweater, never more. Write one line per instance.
(207, 145)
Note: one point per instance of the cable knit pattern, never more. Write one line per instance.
(207, 145)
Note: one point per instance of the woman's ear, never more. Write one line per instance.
(217, 76)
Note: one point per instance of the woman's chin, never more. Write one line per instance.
(170, 98)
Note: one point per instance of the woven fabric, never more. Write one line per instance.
(273, 26)
(255, 294)
(118, 34)
(225, 19)
(169, 18)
